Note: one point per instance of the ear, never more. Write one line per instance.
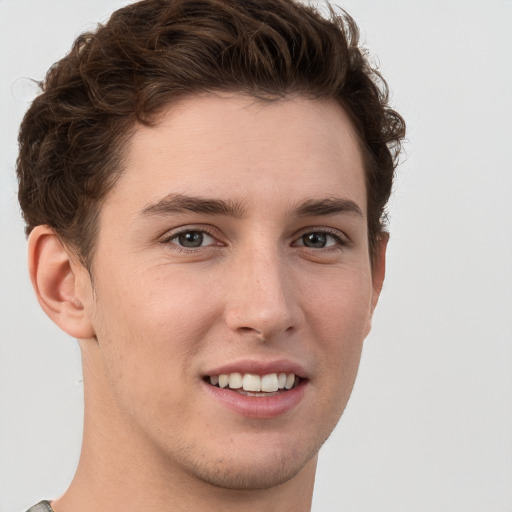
(379, 267)
(378, 274)
(61, 283)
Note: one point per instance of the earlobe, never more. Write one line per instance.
(54, 276)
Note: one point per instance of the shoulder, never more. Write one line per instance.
(43, 506)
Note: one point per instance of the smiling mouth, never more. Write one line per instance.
(251, 384)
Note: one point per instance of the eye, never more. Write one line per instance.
(191, 239)
(319, 240)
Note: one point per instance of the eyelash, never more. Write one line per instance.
(340, 240)
(174, 235)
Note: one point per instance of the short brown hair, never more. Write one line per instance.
(155, 52)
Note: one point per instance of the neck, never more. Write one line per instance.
(130, 489)
(132, 483)
(120, 470)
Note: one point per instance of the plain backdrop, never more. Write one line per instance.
(429, 424)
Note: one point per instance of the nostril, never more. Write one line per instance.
(251, 331)
(261, 335)
(263, 320)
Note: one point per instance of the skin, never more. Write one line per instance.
(158, 317)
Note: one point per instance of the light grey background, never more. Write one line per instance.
(429, 425)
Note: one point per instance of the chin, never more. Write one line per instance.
(262, 463)
(253, 475)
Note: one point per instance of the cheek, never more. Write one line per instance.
(339, 316)
(145, 350)
(339, 304)
(150, 325)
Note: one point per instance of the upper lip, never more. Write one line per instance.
(258, 367)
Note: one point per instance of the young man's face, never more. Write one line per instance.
(235, 242)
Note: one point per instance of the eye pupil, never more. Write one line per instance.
(316, 240)
(191, 239)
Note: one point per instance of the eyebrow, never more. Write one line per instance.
(180, 203)
(329, 206)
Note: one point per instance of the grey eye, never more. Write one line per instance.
(318, 240)
(192, 239)
(315, 240)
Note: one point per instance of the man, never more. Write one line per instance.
(203, 184)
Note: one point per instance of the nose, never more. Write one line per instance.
(262, 296)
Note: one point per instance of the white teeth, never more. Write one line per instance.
(268, 383)
(290, 381)
(251, 382)
(223, 380)
(235, 380)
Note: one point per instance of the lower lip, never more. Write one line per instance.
(264, 407)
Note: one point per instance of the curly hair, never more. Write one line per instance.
(155, 52)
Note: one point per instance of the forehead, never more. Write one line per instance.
(235, 145)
